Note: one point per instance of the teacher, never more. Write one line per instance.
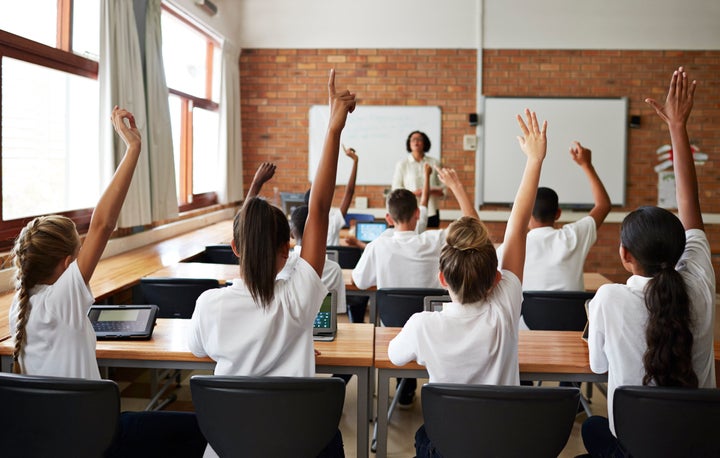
(409, 173)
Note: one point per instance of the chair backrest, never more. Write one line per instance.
(509, 421)
(555, 310)
(58, 417)
(219, 254)
(175, 297)
(358, 217)
(348, 256)
(396, 305)
(268, 416)
(657, 422)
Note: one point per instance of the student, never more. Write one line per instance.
(555, 257)
(48, 315)
(261, 325)
(337, 215)
(658, 328)
(475, 338)
(422, 221)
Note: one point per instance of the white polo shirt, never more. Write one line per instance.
(555, 258)
(246, 339)
(470, 343)
(60, 340)
(410, 174)
(332, 277)
(618, 317)
(403, 259)
(336, 221)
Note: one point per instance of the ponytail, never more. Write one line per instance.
(656, 239)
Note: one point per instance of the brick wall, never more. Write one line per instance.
(279, 86)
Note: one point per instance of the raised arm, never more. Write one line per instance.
(321, 194)
(449, 177)
(107, 210)
(533, 142)
(583, 157)
(350, 188)
(678, 105)
(425, 196)
(263, 174)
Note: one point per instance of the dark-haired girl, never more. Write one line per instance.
(657, 329)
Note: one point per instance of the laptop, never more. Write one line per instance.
(435, 303)
(333, 255)
(117, 322)
(325, 326)
(367, 231)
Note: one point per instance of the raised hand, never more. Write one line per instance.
(448, 177)
(427, 169)
(350, 152)
(534, 140)
(341, 103)
(264, 173)
(581, 155)
(130, 134)
(679, 100)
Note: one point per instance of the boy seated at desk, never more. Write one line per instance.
(404, 258)
(555, 256)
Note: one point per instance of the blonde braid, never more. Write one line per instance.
(22, 244)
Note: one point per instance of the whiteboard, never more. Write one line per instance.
(378, 134)
(598, 124)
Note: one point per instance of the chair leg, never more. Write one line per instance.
(396, 397)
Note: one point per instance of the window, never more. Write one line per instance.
(49, 134)
(191, 58)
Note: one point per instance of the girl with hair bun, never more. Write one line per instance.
(657, 329)
(475, 338)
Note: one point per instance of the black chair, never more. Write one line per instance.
(395, 306)
(219, 254)
(175, 297)
(348, 256)
(558, 311)
(58, 417)
(268, 416)
(508, 421)
(555, 310)
(667, 422)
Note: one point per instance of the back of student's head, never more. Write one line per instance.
(468, 260)
(546, 205)
(260, 230)
(656, 239)
(402, 205)
(298, 218)
(42, 245)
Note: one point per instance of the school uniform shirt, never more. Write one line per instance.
(332, 277)
(336, 221)
(410, 174)
(618, 317)
(402, 259)
(246, 339)
(555, 258)
(60, 340)
(466, 343)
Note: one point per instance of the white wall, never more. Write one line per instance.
(548, 24)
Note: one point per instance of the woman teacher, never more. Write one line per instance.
(409, 173)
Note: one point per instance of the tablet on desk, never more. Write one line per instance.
(325, 326)
(367, 231)
(123, 321)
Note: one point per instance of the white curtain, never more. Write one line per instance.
(120, 75)
(164, 202)
(230, 145)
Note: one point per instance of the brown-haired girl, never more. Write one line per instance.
(475, 338)
(48, 316)
(657, 329)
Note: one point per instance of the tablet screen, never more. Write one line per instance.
(369, 231)
(118, 321)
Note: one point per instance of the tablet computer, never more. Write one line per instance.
(325, 325)
(367, 231)
(123, 321)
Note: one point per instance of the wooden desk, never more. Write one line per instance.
(542, 355)
(350, 353)
(220, 272)
(594, 280)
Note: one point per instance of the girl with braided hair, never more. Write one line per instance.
(475, 338)
(48, 315)
(657, 329)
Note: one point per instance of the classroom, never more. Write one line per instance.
(257, 74)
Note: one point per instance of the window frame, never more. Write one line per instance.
(187, 200)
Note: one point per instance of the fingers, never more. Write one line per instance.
(522, 124)
(331, 83)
